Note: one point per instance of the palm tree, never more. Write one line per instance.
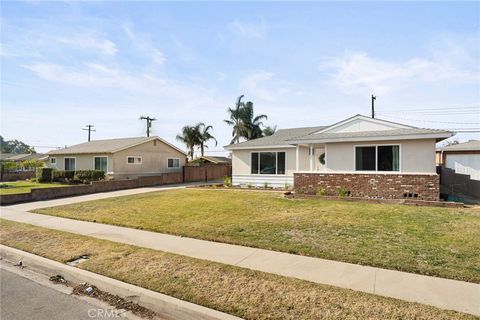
(236, 120)
(252, 123)
(190, 136)
(268, 131)
(204, 136)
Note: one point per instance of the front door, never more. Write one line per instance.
(320, 159)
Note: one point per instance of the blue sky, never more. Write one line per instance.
(65, 65)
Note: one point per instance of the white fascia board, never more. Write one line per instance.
(380, 138)
(259, 147)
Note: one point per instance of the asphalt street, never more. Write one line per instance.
(23, 298)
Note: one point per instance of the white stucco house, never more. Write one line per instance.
(363, 156)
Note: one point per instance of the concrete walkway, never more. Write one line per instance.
(442, 293)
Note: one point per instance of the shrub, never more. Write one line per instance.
(343, 192)
(86, 176)
(321, 191)
(287, 186)
(44, 174)
(63, 176)
(249, 185)
(265, 184)
(227, 181)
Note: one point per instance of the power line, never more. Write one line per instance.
(403, 109)
(89, 129)
(149, 123)
(432, 121)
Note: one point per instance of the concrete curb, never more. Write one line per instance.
(166, 306)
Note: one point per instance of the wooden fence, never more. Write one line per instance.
(206, 172)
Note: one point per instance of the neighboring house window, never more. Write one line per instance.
(53, 161)
(101, 163)
(267, 162)
(377, 158)
(173, 163)
(70, 164)
(134, 160)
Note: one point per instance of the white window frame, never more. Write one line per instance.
(94, 157)
(173, 167)
(74, 167)
(276, 164)
(54, 163)
(376, 157)
(137, 163)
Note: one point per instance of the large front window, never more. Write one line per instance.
(267, 163)
(377, 158)
(101, 163)
(70, 164)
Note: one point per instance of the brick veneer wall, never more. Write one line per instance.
(371, 185)
(97, 186)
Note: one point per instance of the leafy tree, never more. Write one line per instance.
(268, 131)
(32, 164)
(245, 123)
(236, 120)
(14, 146)
(190, 136)
(204, 136)
(252, 124)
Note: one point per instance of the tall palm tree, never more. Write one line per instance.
(252, 124)
(236, 120)
(205, 136)
(190, 137)
(268, 131)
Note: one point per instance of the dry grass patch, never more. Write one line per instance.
(427, 240)
(241, 292)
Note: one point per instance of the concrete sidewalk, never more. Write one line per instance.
(438, 292)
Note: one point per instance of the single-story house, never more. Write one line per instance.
(121, 158)
(214, 160)
(360, 156)
(464, 158)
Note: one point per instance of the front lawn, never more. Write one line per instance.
(427, 240)
(24, 186)
(242, 292)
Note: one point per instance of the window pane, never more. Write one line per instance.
(176, 163)
(101, 163)
(130, 160)
(268, 162)
(69, 164)
(254, 163)
(388, 158)
(170, 163)
(281, 163)
(365, 158)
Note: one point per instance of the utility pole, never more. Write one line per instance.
(89, 129)
(373, 105)
(149, 123)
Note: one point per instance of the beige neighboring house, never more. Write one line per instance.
(463, 157)
(121, 158)
(367, 157)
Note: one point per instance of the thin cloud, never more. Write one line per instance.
(144, 43)
(249, 29)
(359, 72)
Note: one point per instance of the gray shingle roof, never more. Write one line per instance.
(367, 134)
(279, 138)
(472, 145)
(106, 146)
(217, 159)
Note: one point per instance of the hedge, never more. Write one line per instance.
(89, 175)
(44, 174)
(63, 176)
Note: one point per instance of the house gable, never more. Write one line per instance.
(361, 123)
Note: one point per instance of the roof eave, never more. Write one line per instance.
(437, 136)
(258, 147)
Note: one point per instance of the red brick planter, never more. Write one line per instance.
(370, 185)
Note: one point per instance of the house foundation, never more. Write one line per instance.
(370, 185)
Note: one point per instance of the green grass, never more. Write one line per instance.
(25, 186)
(242, 292)
(426, 240)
